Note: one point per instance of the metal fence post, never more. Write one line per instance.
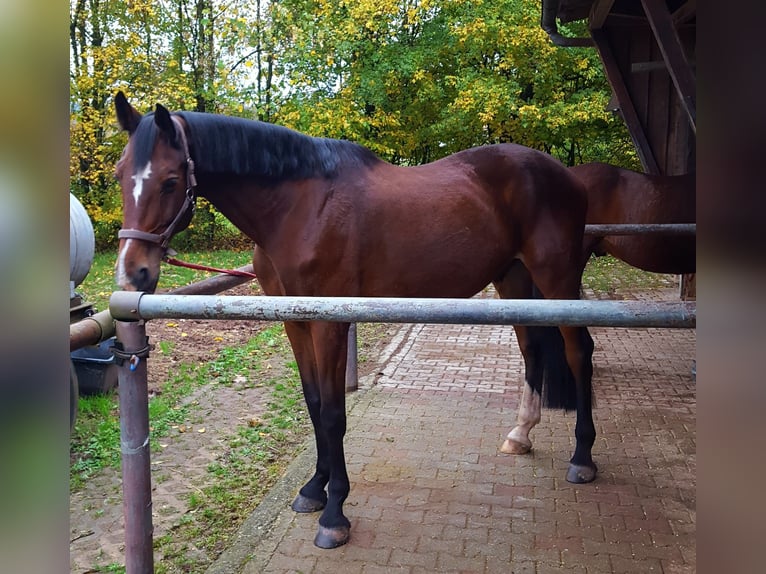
(352, 371)
(134, 443)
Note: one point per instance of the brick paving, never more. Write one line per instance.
(430, 491)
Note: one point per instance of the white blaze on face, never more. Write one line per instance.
(121, 275)
(139, 178)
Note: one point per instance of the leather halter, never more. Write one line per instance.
(163, 239)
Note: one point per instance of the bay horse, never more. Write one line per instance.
(329, 218)
(619, 195)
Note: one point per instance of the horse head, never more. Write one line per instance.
(156, 175)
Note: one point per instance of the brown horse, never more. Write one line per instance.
(331, 219)
(618, 195)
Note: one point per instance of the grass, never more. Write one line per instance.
(606, 275)
(95, 441)
(94, 444)
(109, 568)
(257, 452)
(255, 456)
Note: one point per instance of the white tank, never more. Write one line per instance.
(82, 242)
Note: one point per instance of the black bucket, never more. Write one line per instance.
(95, 367)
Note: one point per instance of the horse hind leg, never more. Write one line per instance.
(563, 283)
(518, 441)
(517, 284)
(579, 352)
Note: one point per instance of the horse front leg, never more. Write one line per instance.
(330, 348)
(312, 496)
(334, 528)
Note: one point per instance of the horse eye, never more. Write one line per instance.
(169, 185)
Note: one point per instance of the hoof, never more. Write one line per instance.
(332, 537)
(515, 447)
(580, 473)
(305, 505)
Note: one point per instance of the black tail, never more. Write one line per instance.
(558, 389)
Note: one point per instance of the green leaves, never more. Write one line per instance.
(416, 80)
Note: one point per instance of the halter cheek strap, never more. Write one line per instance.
(163, 239)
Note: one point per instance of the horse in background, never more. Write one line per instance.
(619, 195)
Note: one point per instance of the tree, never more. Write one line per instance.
(418, 79)
(183, 53)
(110, 45)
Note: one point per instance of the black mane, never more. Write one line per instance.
(230, 145)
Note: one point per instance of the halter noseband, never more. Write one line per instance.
(163, 239)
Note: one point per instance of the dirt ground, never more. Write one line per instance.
(196, 340)
(179, 467)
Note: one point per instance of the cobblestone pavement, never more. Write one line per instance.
(430, 491)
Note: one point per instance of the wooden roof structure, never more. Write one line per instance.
(648, 50)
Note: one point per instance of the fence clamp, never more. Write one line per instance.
(133, 357)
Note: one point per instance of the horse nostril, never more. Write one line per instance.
(141, 278)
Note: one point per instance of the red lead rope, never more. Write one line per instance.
(235, 272)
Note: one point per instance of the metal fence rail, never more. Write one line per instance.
(100, 326)
(132, 306)
(641, 229)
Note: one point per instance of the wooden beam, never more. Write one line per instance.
(654, 66)
(673, 53)
(598, 13)
(617, 81)
(685, 12)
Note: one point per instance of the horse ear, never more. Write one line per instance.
(164, 122)
(126, 114)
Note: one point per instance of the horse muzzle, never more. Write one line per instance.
(138, 266)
